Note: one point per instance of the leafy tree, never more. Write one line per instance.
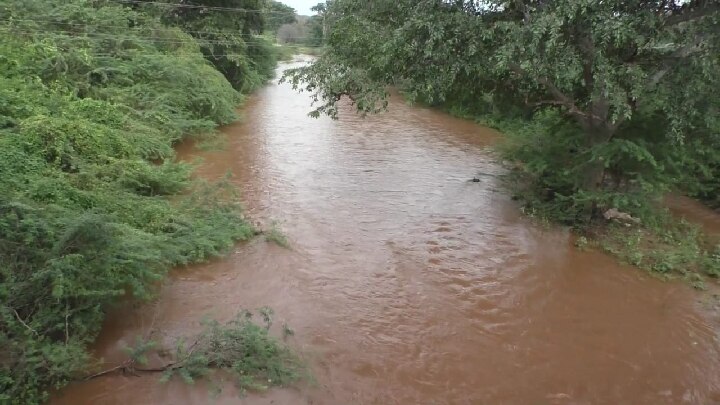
(294, 33)
(609, 69)
(315, 31)
(319, 22)
(228, 32)
(278, 14)
(601, 62)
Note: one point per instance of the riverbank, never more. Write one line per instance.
(648, 236)
(659, 236)
(94, 208)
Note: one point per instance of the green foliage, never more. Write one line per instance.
(711, 264)
(551, 162)
(138, 353)
(618, 96)
(230, 40)
(278, 14)
(606, 104)
(241, 347)
(275, 235)
(285, 53)
(306, 31)
(668, 248)
(93, 205)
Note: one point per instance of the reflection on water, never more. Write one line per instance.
(408, 284)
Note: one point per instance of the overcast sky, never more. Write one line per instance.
(301, 6)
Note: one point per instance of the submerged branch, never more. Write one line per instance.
(128, 366)
(238, 345)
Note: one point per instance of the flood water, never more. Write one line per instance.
(407, 284)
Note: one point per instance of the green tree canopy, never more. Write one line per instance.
(278, 14)
(605, 66)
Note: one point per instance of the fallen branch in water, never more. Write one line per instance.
(128, 366)
(240, 346)
(125, 367)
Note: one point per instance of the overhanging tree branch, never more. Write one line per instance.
(561, 98)
(673, 59)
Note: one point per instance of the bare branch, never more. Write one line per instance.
(23, 322)
(561, 98)
(546, 102)
(124, 366)
(523, 8)
(673, 59)
(128, 366)
(67, 329)
(587, 50)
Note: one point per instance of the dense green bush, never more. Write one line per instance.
(229, 40)
(93, 95)
(241, 347)
(550, 152)
(641, 165)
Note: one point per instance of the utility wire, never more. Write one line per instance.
(124, 27)
(198, 6)
(135, 52)
(70, 35)
(152, 42)
(120, 53)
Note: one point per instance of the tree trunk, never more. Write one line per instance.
(595, 171)
(593, 177)
(599, 130)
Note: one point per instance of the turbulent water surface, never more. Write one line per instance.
(408, 284)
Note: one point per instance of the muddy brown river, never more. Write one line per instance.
(407, 284)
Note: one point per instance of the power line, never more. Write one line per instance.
(197, 6)
(129, 51)
(133, 50)
(103, 36)
(125, 27)
(70, 35)
(119, 53)
(149, 41)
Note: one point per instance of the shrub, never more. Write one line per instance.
(93, 95)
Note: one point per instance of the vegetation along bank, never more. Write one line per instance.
(93, 96)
